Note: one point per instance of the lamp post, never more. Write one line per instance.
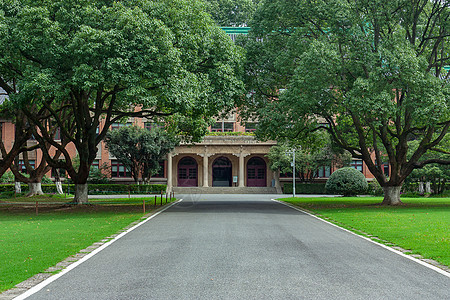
(293, 170)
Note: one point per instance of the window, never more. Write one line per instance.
(95, 164)
(323, 172)
(22, 168)
(216, 127)
(386, 169)
(250, 127)
(222, 127)
(119, 170)
(357, 164)
(58, 134)
(151, 125)
(116, 125)
(228, 126)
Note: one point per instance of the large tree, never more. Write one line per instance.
(371, 73)
(81, 62)
(232, 12)
(140, 150)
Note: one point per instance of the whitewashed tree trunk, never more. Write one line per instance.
(420, 187)
(59, 188)
(81, 193)
(392, 195)
(35, 189)
(428, 188)
(18, 187)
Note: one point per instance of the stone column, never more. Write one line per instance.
(241, 170)
(169, 173)
(205, 170)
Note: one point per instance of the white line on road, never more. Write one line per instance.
(447, 274)
(46, 282)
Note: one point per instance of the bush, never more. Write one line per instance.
(375, 188)
(347, 182)
(7, 177)
(305, 188)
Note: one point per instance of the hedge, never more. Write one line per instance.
(98, 189)
(305, 188)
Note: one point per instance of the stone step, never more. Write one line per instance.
(225, 190)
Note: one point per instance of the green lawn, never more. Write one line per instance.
(422, 225)
(30, 244)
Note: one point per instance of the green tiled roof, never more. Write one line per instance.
(236, 30)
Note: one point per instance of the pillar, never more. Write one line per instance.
(205, 170)
(169, 173)
(241, 170)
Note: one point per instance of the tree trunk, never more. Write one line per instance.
(421, 188)
(81, 193)
(17, 187)
(35, 189)
(59, 188)
(392, 195)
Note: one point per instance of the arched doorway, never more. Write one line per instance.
(187, 172)
(256, 172)
(221, 170)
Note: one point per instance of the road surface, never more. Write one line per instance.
(244, 247)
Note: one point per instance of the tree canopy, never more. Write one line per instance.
(371, 73)
(76, 63)
(231, 12)
(140, 150)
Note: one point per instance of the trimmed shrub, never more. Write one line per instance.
(305, 188)
(375, 188)
(347, 182)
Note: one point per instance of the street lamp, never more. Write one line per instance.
(293, 169)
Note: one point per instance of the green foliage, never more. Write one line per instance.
(305, 188)
(46, 180)
(375, 188)
(319, 153)
(347, 182)
(92, 60)
(7, 177)
(367, 72)
(140, 150)
(99, 175)
(231, 12)
(436, 174)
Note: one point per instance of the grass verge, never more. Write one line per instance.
(30, 244)
(422, 225)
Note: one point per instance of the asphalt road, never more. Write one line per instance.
(244, 247)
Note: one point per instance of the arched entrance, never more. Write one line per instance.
(256, 172)
(187, 172)
(221, 170)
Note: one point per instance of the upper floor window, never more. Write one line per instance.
(117, 125)
(22, 168)
(250, 127)
(151, 125)
(222, 127)
(357, 164)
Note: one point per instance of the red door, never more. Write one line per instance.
(187, 172)
(256, 172)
